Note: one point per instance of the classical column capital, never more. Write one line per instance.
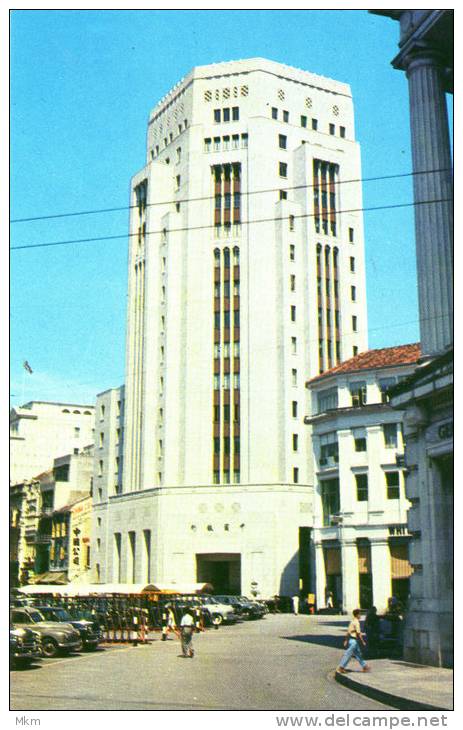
(422, 54)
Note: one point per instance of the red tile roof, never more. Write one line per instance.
(371, 359)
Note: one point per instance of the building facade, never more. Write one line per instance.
(426, 56)
(360, 533)
(41, 431)
(43, 511)
(245, 275)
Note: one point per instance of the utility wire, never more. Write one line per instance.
(242, 223)
(211, 197)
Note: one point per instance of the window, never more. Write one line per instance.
(329, 451)
(283, 195)
(351, 235)
(390, 435)
(392, 484)
(362, 487)
(217, 115)
(101, 439)
(294, 408)
(274, 113)
(295, 475)
(171, 137)
(244, 140)
(282, 141)
(235, 141)
(292, 282)
(76, 430)
(293, 313)
(354, 323)
(352, 263)
(226, 114)
(102, 411)
(100, 468)
(179, 154)
(327, 400)
(216, 144)
(303, 121)
(294, 345)
(226, 143)
(331, 503)
(384, 384)
(177, 182)
(286, 116)
(360, 439)
(235, 113)
(292, 252)
(358, 391)
(295, 442)
(315, 124)
(355, 350)
(353, 293)
(283, 169)
(294, 376)
(332, 129)
(291, 222)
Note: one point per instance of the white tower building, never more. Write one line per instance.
(246, 276)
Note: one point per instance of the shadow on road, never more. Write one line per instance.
(323, 639)
(339, 624)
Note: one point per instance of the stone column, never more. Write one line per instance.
(381, 569)
(433, 221)
(350, 576)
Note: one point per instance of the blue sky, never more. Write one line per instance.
(82, 85)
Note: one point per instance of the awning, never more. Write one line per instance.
(92, 589)
(53, 578)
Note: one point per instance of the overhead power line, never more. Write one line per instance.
(208, 227)
(211, 197)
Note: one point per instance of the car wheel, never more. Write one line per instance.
(79, 646)
(49, 647)
(217, 619)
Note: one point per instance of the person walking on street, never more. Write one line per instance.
(372, 630)
(352, 644)
(187, 627)
(296, 605)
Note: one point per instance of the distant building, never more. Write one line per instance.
(360, 530)
(246, 275)
(44, 511)
(426, 56)
(40, 431)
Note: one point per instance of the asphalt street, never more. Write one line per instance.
(282, 662)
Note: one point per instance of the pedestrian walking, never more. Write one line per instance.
(295, 605)
(372, 630)
(352, 644)
(187, 627)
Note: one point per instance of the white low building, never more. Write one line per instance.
(360, 530)
(41, 431)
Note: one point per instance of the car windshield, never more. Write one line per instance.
(36, 616)
(56, 614)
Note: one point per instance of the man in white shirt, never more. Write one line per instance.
(186, 634)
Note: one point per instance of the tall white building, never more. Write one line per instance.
(246, 275)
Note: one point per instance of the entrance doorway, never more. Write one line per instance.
(223, 570)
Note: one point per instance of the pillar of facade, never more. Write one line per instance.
(320, 575)
(350, 576)
(381, 570)
(432, 182)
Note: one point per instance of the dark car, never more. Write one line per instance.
(89, 634)
(24, 646)
(242, 606)
(55, 637)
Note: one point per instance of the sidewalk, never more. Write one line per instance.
(402, 685)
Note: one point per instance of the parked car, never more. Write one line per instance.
(242, 606)
(259, 608)
(89, 634)
(219, 612)
(24, 646)
(55, 637)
